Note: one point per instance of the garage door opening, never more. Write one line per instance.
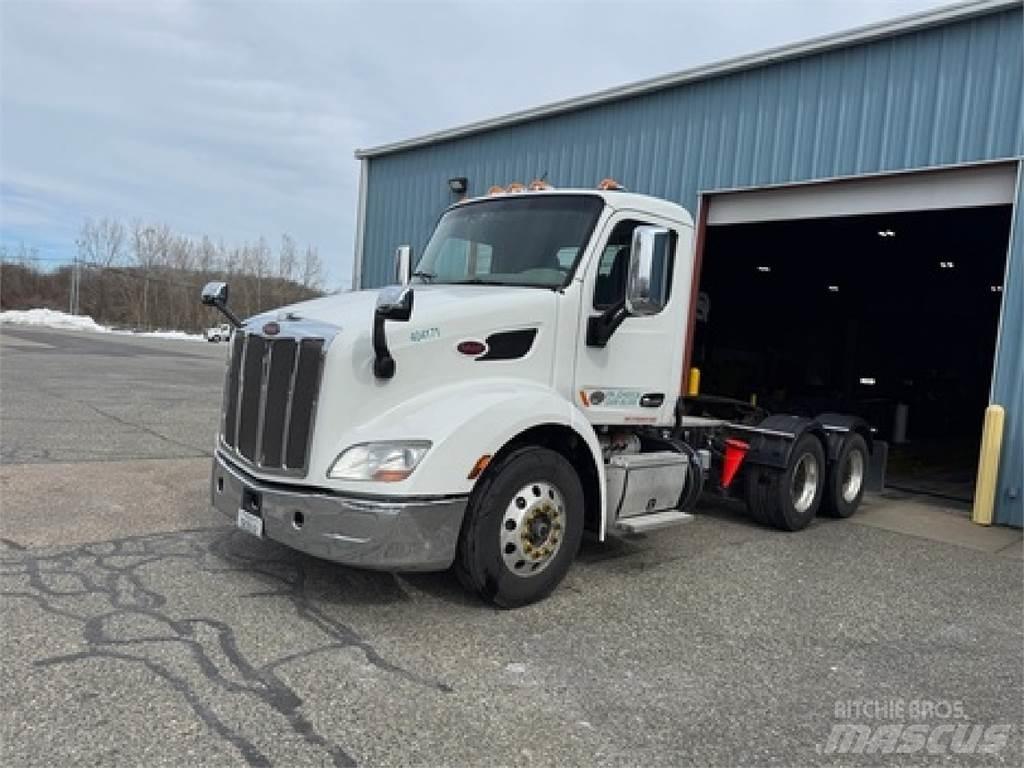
(889, 316)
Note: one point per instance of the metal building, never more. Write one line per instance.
(922, 116)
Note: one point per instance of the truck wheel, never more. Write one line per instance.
(844, 487)
(522, 529)
(788, 499)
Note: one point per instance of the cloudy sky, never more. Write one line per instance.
(240, 119)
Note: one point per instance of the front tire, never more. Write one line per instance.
(789, 499)
(522, 529)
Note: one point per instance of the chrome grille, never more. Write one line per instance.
(270, 397)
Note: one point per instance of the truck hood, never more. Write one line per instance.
(518, 325)
(431, 303)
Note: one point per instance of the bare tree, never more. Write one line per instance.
(312, 269)
(145, 275)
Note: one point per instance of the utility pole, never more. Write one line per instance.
(76, 279)
(78, 286)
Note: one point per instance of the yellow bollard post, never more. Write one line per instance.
(988, 465)
(693, 383)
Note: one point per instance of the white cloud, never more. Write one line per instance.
(239, 119)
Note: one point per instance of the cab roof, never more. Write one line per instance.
(616, 199)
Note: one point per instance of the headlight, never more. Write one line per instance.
(384, 462)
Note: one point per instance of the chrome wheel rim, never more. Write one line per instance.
(853, 476)
(804, 486)
(532, 529)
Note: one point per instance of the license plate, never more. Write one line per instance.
(250, 523)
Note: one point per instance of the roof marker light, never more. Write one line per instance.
(539, 184)
(496, 190)
(610, 185)
(515, 186)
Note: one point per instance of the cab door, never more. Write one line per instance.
(634, 378)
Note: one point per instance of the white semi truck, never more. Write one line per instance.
(520, 387)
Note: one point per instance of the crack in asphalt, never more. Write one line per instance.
(197, 452)
(9, 453)
(112, 574)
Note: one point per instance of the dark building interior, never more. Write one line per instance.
(892, 317)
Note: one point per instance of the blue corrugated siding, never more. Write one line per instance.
(941, 96)
(1008, 382)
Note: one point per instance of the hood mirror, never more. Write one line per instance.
(394, 303)
(215, 294)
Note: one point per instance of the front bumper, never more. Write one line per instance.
(380, 533)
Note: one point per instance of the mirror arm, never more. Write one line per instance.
(601, 327)
(392, 304)
(231, 316)
(383, 362)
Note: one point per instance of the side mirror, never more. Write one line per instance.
(403, 264)
(215, 294)
(650, 271)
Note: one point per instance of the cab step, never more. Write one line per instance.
(651, 522)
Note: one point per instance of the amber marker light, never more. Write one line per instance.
(479, 466)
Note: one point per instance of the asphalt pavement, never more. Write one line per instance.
(141, 629)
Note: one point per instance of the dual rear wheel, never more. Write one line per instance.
(789, 499)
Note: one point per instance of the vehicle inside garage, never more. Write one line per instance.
(889, 316)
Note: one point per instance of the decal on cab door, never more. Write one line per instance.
(610, 398)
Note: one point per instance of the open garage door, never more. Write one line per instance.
(876, 296)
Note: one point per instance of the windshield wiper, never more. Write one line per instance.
(428, 276)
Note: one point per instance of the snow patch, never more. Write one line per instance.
(52, 318)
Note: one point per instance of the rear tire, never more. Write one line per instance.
(788, 499)
(844, 487)
(522, 528)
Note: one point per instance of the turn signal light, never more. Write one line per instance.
(479, 466)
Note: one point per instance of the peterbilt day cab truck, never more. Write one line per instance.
(518, 388)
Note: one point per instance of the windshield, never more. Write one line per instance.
(532, 240)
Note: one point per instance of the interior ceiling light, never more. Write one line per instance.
(946, 265)
(834, 288)
(867, 381)
(996, 288)
(886, 233)
(764, 269)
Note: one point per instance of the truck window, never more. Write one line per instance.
(458, 258)
(527, 240)
(613, 267)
